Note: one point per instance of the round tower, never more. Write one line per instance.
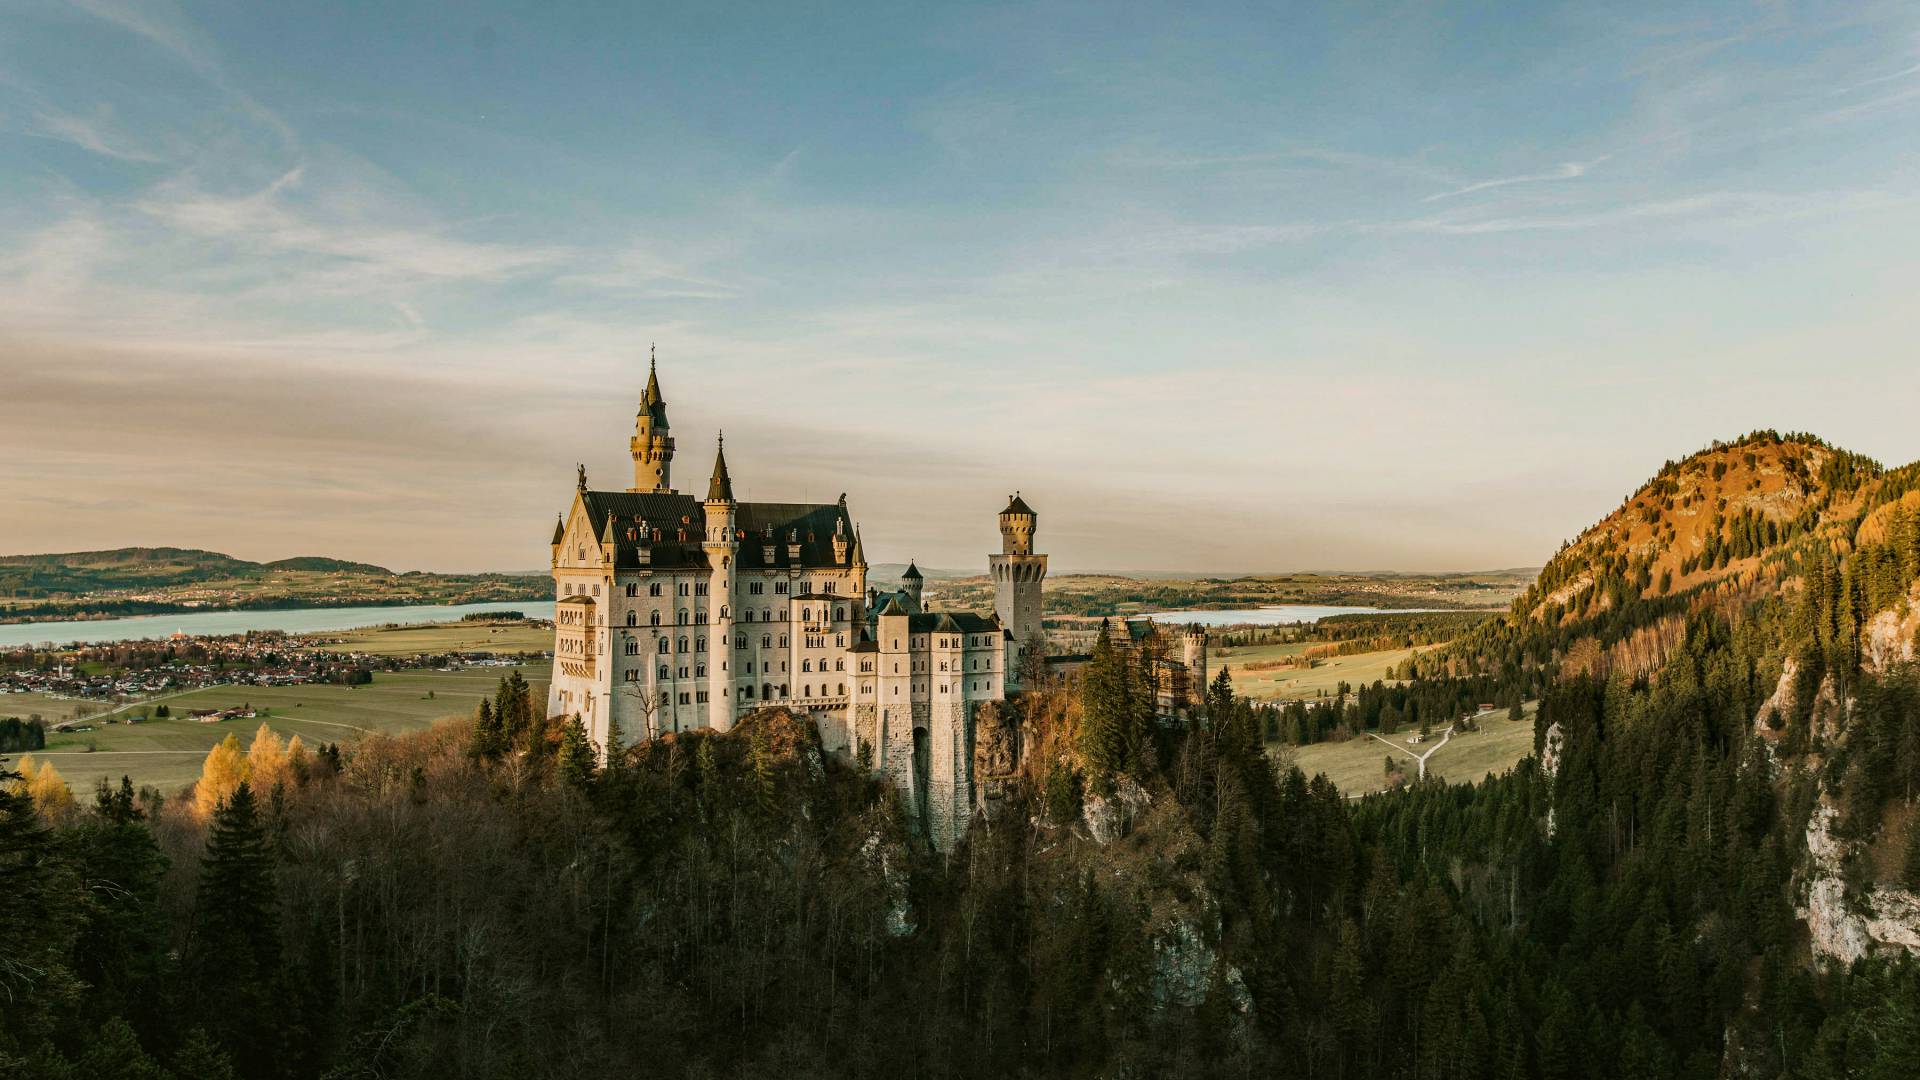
(720, 544)
(913, 583)
(1018, 575)
(652, 443)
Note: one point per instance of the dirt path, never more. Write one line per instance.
(1421, 759)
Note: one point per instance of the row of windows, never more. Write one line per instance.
(682, 617)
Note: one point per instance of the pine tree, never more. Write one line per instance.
(488, 738)
(1105, 715)
(235, 947)
(576, 754)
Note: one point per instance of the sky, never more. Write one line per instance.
(1218, 288)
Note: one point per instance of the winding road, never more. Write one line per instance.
(1420, 758)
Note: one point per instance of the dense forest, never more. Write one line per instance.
(1137, 897)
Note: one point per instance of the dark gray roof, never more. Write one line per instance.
(681, 522)
(1017, 505)
(912, 572)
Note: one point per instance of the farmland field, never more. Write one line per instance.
(438, 638)
(167, 753)
(1291, 684)
(1358, 766)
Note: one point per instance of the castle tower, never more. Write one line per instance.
(720, 544)
(1194, 645)
(1017, 577)
(652, 444)
(913, 583)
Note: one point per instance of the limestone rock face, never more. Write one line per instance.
(996, 758)
(1883, 921)
(1109, 819)
(1890, 637)
(888, 863)
(1184, 966)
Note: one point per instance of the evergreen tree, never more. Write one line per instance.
(235, 950)
(577, 759)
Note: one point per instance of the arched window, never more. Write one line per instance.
(700, 645)
(656, 618)
(633, 618)
(681, 617)
(683, 645)
(806, 614)
(806, 665)
(663, 646)
(842, 690)
(783, 641)
(839, 614)
(766, 690)
(806, 691)
(723, 611)
(633, 647)
(766, 641)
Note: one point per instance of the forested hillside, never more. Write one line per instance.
(1701, 875)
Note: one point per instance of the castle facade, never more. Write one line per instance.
(675, 613)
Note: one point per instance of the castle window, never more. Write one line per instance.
(686, 699)
(700, 645)
(633, 587)
(780, 588)
(839, 665)
(783, 641)
(681, 617)
(766, 614)
(683, 588)
(633, 674)
(655, 617)
(746, 615)
(699, 671)
(653, 588)
(766, 690)
(633, 647)
(766, 641)
(943, 665)
(740, 641)
(806, 665)
(596, 589)
(700, 588)
(806, 614)
(840, 641)
(683, 673)
(633, 618)
(663, 646)
(665, 699)
(723, 611)
(666, 672)
(839, 613)
(806, 691)
(746, 691)
(866, 665)
(683, 645)
(841, 690)
(783, 689)
(753, 588)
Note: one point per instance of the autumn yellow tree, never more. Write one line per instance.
(266, 760)
(225, 768)
(298, 760)
(49, 791)
(25, 768)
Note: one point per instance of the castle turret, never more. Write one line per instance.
(1194, 650)
(913, 583)
(652, 444)
(720, 544)
(1018, 575)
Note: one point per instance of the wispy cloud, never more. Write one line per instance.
(95, 133)
(1571, 170)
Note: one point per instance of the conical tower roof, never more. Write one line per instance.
(912, 573)
(721, 488)
(652, 401)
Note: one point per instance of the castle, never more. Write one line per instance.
(675, 613)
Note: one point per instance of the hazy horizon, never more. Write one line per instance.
(1427, 289)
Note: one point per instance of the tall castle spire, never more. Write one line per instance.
(652, 444)
(721, 487)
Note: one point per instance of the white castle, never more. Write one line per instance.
(675, 613)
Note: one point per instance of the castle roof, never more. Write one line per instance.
(912, 573)
(720, 489)
(681, 522)
(1017, 505)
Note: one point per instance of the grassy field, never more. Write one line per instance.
(1290, 684)
(168, 753)
(53, 710)
(439, 638)
(1358, 766)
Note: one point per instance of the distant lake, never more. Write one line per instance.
(1269, 615)
(291, 620)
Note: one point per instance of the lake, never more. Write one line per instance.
(1268, 615)
(291, 620)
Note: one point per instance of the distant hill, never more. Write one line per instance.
(325, 565)
(140, 580)
(1733, 525)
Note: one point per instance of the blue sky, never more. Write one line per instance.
(1218, 287)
